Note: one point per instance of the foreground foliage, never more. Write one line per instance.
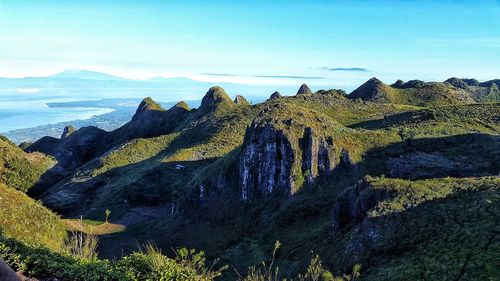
(149, 264)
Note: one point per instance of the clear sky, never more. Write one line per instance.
(341, 43)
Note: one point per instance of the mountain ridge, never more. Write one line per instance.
(318, 171)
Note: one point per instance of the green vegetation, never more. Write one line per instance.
(29, 221)
(149, 104)
(145, 265)
(21, 170)
(183, 189)
(445, 228)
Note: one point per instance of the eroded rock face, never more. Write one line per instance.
(421, 165)
(318, 156)
(272, 160)
(353, 205)
(266, 163)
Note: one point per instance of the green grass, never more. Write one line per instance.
(29, 221)
(445, 228)
(428, 226)
(21, 170)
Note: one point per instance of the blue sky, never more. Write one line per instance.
(338, 43)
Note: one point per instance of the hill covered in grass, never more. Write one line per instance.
(420, 93)
(21, 170)
(26, 220)
(402, 179)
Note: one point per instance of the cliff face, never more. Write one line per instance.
(266, 163)
(273, 161)
(318, 155)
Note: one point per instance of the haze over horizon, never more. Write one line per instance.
(318, 42)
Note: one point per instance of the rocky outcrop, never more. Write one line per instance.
(318, 155)
(372, 90)
(67, 131)
(240, 100)
(273, 160)
(266, 163)
(421, 165)
(353, 205)
(274, 96)
(304, 90)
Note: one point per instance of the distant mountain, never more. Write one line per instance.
(87, 75)
(421, 93)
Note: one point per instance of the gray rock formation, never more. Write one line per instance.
(318, 155)
(458, 83)
(266, 163)
(304, 90)
(352, 206)
(272, 160)
(421, 165)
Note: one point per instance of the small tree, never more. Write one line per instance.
(108, 213)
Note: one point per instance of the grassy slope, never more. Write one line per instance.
(208, 145)
(445, 228)
(21, 170)
(29, 221)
